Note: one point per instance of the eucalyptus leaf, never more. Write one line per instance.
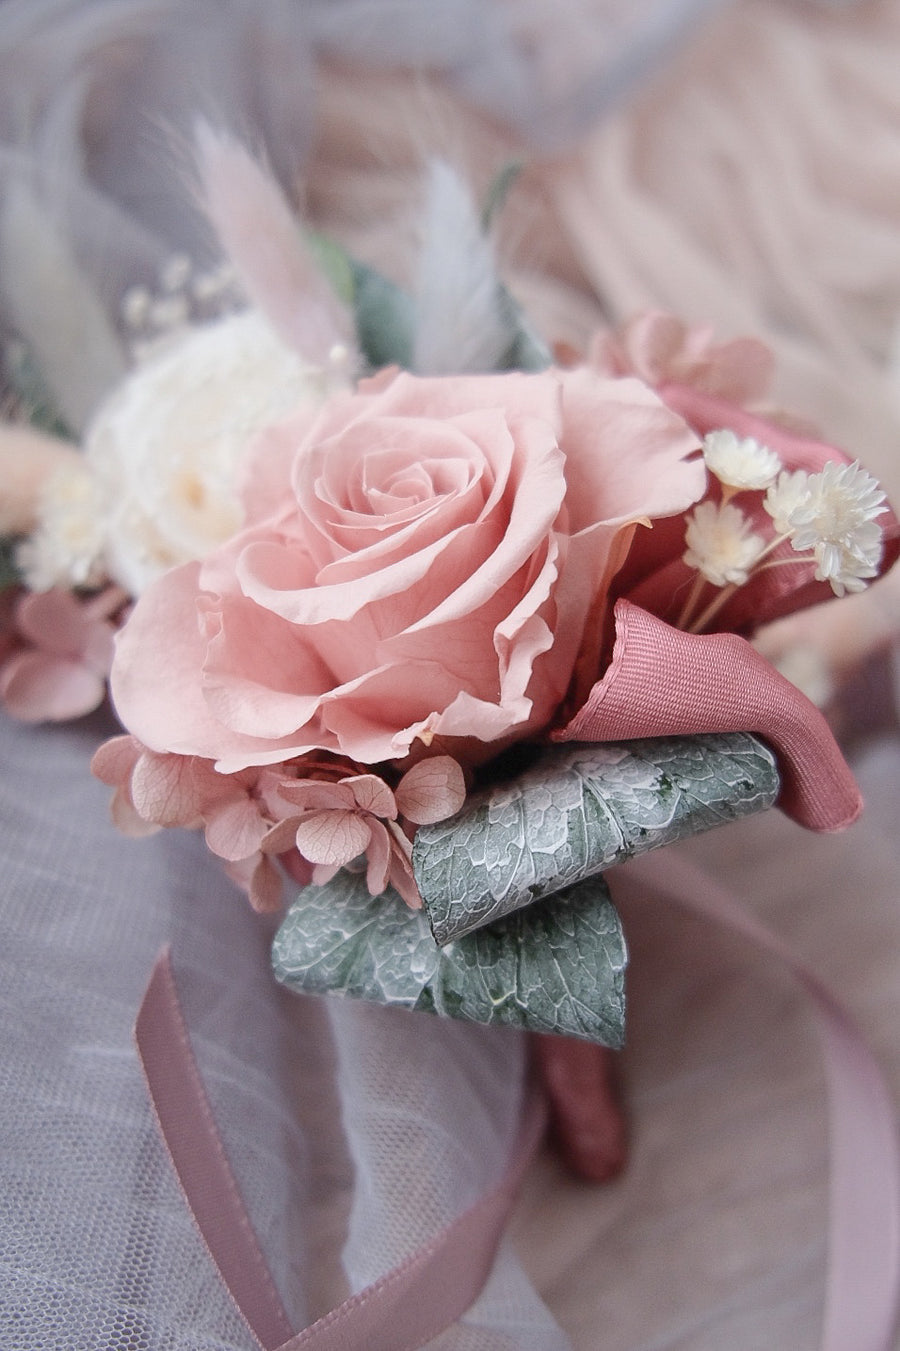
(383, 312)
(498, 191)
(385, 319)
(577, 811)
(526, 351)
(558, 967)
(9, 571)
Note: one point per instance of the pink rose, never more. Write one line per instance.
(421, 563)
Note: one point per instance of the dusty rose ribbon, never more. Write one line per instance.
(406, 1308)
(864, 1222)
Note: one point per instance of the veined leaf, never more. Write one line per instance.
(558, 967)
(579, 810)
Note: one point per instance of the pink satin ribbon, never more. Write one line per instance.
(406, 1308)
(429, 1291)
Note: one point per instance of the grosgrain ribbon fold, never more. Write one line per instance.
(430, 1290)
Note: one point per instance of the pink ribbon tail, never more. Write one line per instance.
(864, 1202)
(403, 1310)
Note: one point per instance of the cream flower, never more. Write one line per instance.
(66, 547)
(165, 448)
(833, 515)
(720, 543)
(786, 494)
(158, 484)
(739, 462)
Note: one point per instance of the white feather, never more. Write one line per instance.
(460, 324)
(54, 308)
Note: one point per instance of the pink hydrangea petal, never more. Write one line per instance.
(37, 687)
(114, 761)
(280, 838)
(378, 859)
(372, 794)
(125, 818)
(54, 621)
(173, 790)
(432, 790)
(236, 830)
(332, 837)
(403, 881)
(261, 880)
(98, 647)
(312, 795)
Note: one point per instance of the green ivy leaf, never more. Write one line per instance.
(577, 811)
(558, 967)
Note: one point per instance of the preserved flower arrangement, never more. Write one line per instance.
(393, 605)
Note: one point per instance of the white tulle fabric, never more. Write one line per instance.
(356, 1133)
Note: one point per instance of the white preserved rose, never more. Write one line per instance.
(165, 446)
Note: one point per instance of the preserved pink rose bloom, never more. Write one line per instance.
(420, 565)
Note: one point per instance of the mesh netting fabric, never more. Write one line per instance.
(97, 1248)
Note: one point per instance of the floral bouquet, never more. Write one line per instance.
(399, 604)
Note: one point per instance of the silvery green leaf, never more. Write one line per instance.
(526, 351)
(30, 389)
(385, 319)
(9, 571)
(558, 967)
(577, 811)
(383, 312)
(498, 191)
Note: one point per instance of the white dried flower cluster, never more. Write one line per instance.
(66, 549)
(830, 514)
(159, 481)
(833, 515)
(720, 543)
(184, 297)
(739, 462)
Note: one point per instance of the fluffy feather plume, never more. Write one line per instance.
(263, 240)
(460, 321)
(54, 308)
